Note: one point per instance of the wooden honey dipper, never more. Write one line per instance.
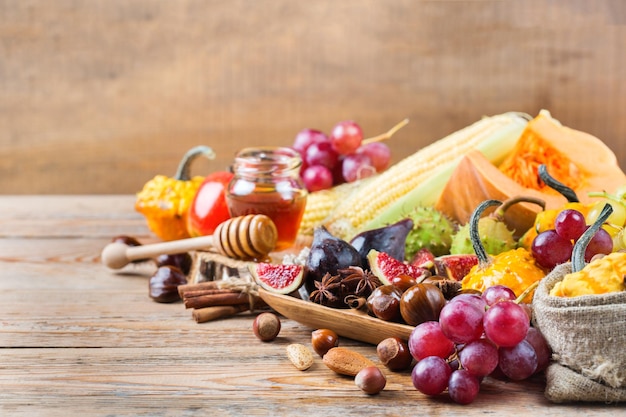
(250, 237)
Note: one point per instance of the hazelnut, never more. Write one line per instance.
(323, 340)
(266, 326)
(394, 353)
(371, 380)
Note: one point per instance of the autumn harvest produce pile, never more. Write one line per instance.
(486, 243)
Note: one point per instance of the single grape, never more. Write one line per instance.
(379, 153)
(497, 293)
(430, 375)
(307, 137)
(357, 166)
(427, 339)
(541, 347)
(346, 137)
(463, 387)
(517, 362)
(461, 321)
(600, 243)
(551, 249)
(317, 177)
(321, 153)
(570, 224)
(617, 217)
(479, 357)
(506, 323)
(474, 299)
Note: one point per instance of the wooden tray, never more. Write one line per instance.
(353, 324)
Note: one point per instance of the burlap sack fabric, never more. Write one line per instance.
(588, 337)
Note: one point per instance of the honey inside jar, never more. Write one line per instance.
(267, 181)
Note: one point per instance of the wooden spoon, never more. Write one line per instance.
(353, 324)
(250, 237)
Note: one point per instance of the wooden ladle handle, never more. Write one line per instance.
(250, 237)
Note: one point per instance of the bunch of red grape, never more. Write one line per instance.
(476, 336)
(340, 157)
(554, 246)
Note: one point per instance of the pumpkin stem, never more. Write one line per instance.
(474, 233)
(578, 253)
(553, 183)
(498, 214)
(182, 173)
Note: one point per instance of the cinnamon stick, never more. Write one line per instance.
(198, 293)
(207, 285)
(203, 315)
(220, 299)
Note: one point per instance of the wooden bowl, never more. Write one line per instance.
(353, 324)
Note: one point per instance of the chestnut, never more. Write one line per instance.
(403, 282)
(384, 303)
(394, 353)
(323, 340)
(420, 303)
(182, 261)
(371, 380)
(164, 284)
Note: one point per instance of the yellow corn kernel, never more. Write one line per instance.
(403, 186)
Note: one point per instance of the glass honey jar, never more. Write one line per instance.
(267, 181)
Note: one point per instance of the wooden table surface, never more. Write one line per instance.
(80, 339)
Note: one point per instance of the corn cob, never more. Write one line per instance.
(420, 178)
(320, 204)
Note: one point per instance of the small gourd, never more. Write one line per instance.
(164, 201)
(605, 274)
(515, 268)
(493, 230)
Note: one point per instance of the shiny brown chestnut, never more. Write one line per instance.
(403, 282)
(384, 303)
(164, 284)
(394, 353)
(420, 303)
(182, 261)
(322, 340)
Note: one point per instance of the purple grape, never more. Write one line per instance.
(427, 339)
(430, 375)
(541, 347)
(463, 387)
(321, 153)
(506, 323)
(551, 249)
(497, 293)
(461, 321)
(600, 243)
(479, 357)
(518, 362)
(317, 177)
(570, 224)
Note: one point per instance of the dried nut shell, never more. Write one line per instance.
(345, 361)
(300, 356)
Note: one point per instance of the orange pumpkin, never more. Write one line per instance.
(577, 159)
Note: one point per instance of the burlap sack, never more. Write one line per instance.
(588, 337)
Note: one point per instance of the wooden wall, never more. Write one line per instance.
(99, 96)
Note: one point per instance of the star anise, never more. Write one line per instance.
(359, 282)
(327, 290)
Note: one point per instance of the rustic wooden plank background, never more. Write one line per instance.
(99, 96)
